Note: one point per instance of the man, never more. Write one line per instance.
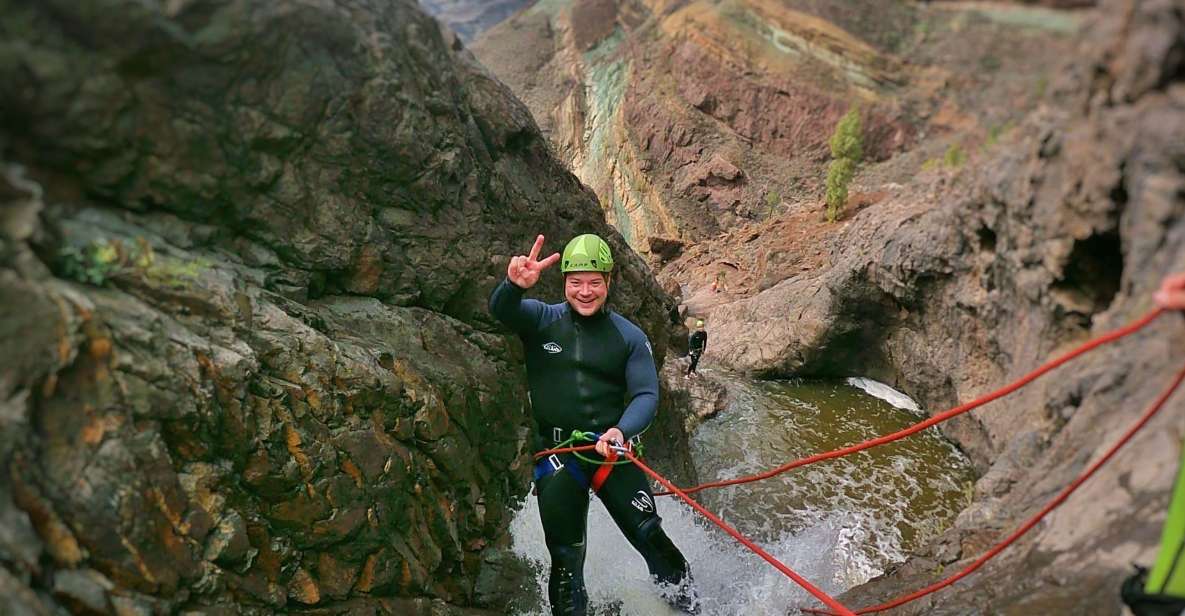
(697, 342)
(584, 363)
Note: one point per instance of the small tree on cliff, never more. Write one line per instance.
(847, 148)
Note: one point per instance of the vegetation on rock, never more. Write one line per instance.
(847, 149)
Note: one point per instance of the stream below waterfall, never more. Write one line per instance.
(838, 523)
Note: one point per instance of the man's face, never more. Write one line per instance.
(586, 291)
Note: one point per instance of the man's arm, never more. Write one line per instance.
(641, 379)
(508, 306)
(506, 301)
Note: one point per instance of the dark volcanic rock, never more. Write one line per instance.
(245, 250)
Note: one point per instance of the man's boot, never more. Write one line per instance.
(565, 586)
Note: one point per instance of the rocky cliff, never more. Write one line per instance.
(961, 282)
(245, 250)
(690, 119)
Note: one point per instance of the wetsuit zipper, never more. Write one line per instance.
(579, 359)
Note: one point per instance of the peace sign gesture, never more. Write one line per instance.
(524, 271)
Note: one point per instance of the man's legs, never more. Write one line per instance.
(694, 362)
(627, 497)
(563, 509)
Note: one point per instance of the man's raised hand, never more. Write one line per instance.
(524, 271)
(1171, 295)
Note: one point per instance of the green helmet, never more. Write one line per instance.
(699, 322)
(587, 253)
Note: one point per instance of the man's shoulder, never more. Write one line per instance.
(542, 315)
(552, 313)
(628, 328)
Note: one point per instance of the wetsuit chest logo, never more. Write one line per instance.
(642, 502)
(552, 347)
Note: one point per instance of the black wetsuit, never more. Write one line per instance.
(582, 372)
(696, 343)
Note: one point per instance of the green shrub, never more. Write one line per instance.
(993, 136)
(954, 156)
(848, 139)
(1041, 86)
(102, 260)
(174, 273)
(93, 264)
(847, 149)
(839, 174)
(997, 131)
(772, 199)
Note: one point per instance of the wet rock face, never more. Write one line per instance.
(245, 250)
(1061, 237)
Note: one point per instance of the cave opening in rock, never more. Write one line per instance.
(1094, 271)
(855, 347)
(987, 239)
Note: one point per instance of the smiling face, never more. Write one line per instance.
(586, 291)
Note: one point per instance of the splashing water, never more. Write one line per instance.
(838, 523)
(876, 389)
(730, 579)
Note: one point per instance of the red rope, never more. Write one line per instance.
(940, 417)
(1065, 493)
(819, 594)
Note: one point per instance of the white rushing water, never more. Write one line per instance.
(876, 389)
(731, 580)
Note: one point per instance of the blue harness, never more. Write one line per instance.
(553, 464)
